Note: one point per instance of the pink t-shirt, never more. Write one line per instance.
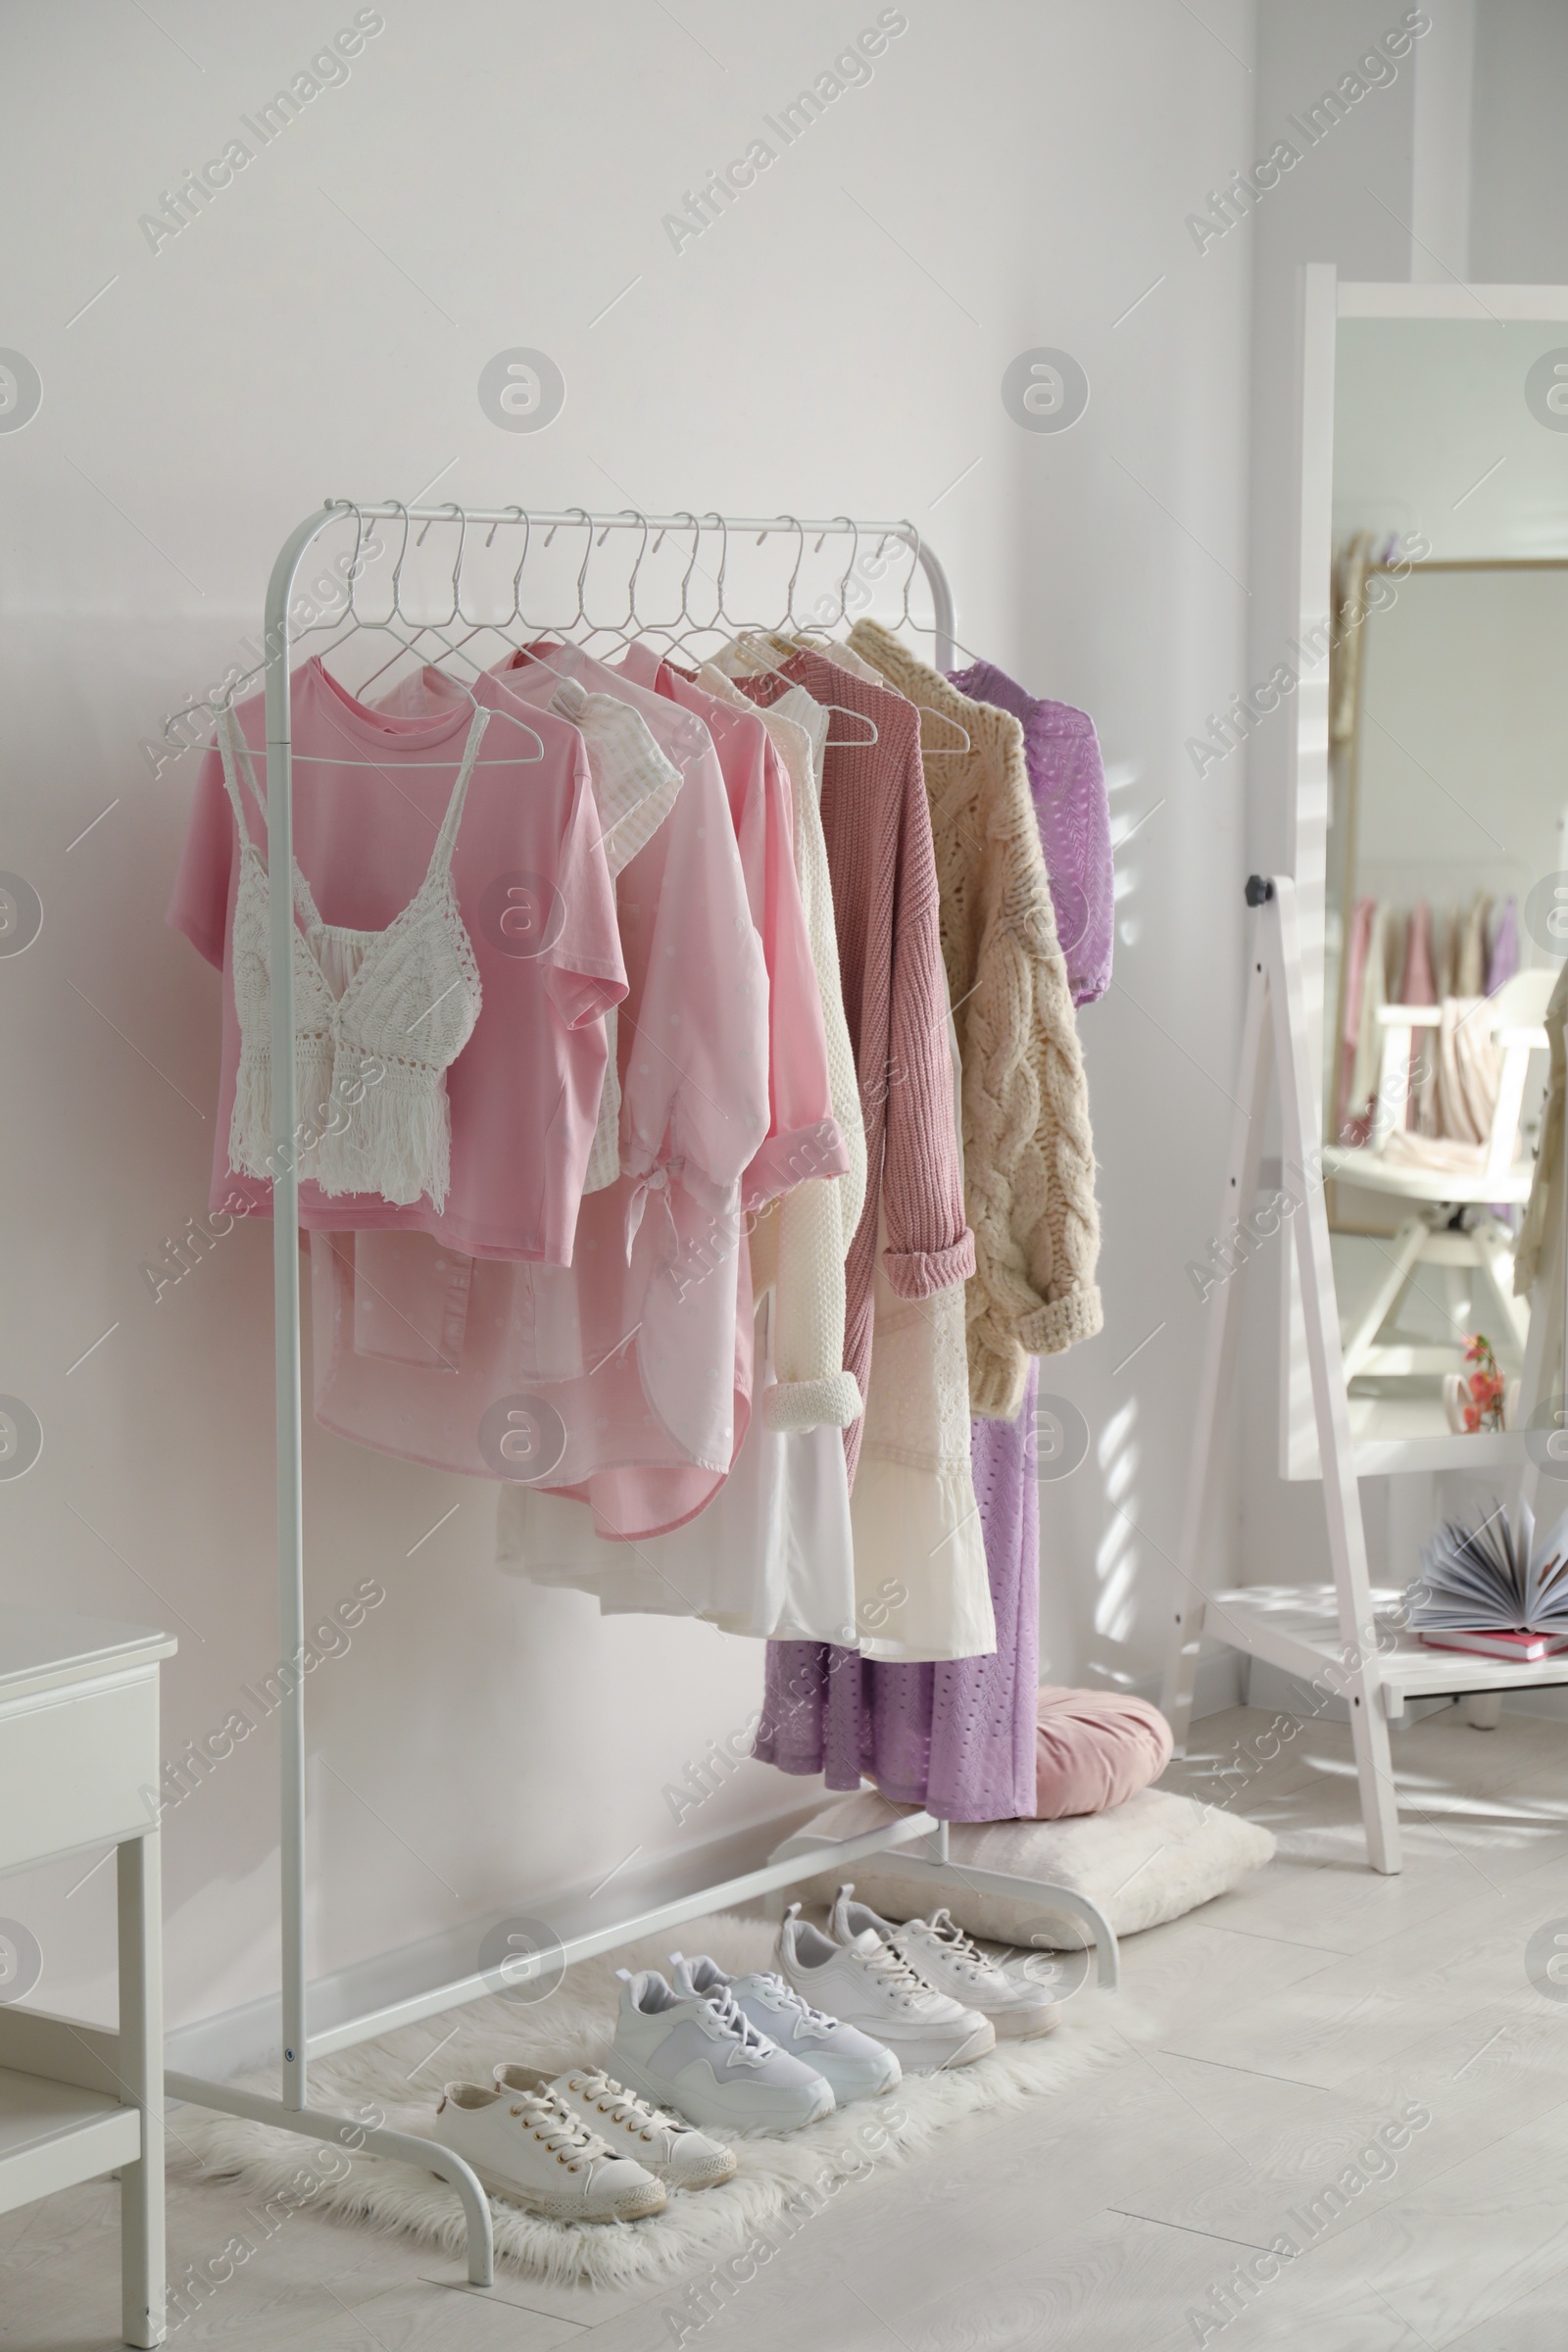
(532, 887)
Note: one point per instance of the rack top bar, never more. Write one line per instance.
(629, 518)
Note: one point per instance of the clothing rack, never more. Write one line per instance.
(801, 1857)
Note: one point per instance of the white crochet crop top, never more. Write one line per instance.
(378, 1018)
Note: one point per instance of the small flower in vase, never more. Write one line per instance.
(1484, 1389)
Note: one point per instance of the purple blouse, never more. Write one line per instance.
(1068, 785)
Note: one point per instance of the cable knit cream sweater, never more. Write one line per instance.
(1028, 1154)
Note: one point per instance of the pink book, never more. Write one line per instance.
(1523, 1646)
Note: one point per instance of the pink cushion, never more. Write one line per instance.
(1094, 1749)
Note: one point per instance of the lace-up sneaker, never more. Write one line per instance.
(672, 2151)
(939, 1950)
(528, 2147)
(861, 1978)
(858, 2067)
(707, 2059)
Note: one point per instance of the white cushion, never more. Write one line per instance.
(1141, 1862)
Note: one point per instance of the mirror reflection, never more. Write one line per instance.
(1447, 857)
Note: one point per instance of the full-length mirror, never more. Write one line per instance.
(1443, 926)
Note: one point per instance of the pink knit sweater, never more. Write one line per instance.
(877, 824)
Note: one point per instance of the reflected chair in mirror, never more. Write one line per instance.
(1453, 1191)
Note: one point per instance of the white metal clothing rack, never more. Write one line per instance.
(291, 2109)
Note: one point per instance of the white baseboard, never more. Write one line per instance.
(1218, 1683)
(1552, 1702)
(236, 2041)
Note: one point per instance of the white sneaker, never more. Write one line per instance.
(858, 2067)
(524, 2145)
(707, 2059)
(672, 2151)
(860, 1978)
(939, 1950)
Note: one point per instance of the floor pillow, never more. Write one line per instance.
(1150, 1859)
(1095, 1749)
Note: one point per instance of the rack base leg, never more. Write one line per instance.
(405, 2147)
(1039, 1892)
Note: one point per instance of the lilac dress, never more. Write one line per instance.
(1503, 960)
(959, 1738)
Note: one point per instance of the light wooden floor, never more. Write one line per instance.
(1295, 2018)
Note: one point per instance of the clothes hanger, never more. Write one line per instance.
(756, 643)
(531, 645)
(928, 710)
(793, 636)
(358, 622)
(351, 623)
(619, 632)
(514, 627)
(427, 629)
(476, 627)
(680, 634)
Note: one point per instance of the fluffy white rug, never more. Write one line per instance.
(399, 2079)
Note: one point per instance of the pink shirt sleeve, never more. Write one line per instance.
(585, 971)
(804, 1138)
(695, 1058)
(199, 903)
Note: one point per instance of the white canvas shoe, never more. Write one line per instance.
(939, 1950)
(858, 2067)
(672, 2151)
(526, 2146)
(861, 1978)
(708, 2060)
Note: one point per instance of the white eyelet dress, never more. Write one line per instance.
(378, 1018)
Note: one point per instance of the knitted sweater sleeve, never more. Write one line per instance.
(1031, 1162)
(929, 1245)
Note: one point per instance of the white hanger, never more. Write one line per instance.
(358, 622)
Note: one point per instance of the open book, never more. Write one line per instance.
(1494, 1585)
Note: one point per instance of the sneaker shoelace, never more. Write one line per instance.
(962, 1948)
(811, 2021)
(558, 2128)
(752, 2048)
(902, 1980)
(622, 2105)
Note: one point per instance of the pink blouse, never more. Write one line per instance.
(803, 1137)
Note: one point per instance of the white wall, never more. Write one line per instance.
(1518, 203)
(490, 177)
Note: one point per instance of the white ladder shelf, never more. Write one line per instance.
(1343, 1637)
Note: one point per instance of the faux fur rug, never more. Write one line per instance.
(400, 2079)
